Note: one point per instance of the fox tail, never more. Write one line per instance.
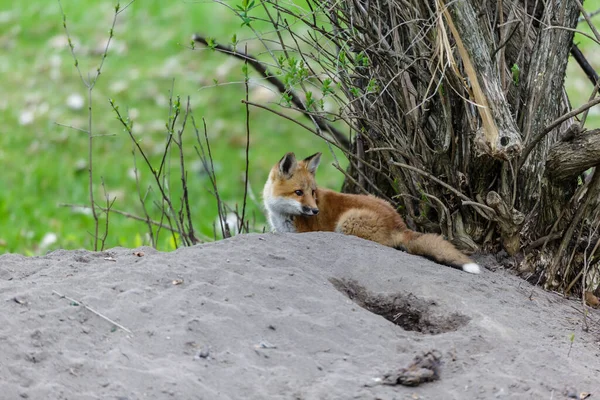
(434, 247)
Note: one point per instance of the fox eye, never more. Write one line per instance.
(299, 193)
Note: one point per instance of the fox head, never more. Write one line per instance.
(291, 188)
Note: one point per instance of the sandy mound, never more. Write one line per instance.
(270, 317)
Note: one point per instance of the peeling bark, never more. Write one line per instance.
(509, 222)
(499, 136)
(544, 97)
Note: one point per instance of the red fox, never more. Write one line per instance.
(294, 203)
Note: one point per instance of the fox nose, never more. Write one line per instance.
(310, 210)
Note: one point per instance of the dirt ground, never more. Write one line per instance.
(295, 316)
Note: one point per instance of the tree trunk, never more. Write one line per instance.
(469, 91)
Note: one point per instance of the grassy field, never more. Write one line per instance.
(43, 164)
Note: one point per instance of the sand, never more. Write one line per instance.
(271, 317)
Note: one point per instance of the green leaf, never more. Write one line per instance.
(326, 87)
(309, 100)
(516, 72)
(372, 87)
(210, 42)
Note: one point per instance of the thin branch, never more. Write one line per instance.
(142, 199)
(90, 83)
(592, 14)
(542, 241)
(72, 127)
(62, 296)
(450, 188)
(164, 196)
(351, 179)
(553, 125)
(241, 227)
(186, 200)
(125, 214)
(109, 205)
(308, 128)
(589, 71)
(586, 16)
(208, 165)
(259, 67)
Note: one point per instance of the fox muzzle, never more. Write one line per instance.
(309, 211)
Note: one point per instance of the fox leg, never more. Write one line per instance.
(365, 224)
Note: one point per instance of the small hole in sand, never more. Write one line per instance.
(405, 310)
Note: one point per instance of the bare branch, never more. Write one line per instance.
(258, 67)
(553, 125)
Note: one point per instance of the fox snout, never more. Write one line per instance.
(309, 210)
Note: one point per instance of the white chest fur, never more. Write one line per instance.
(281, 223)
(279, 210)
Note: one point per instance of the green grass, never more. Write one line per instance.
(43, 164)
(578, 85)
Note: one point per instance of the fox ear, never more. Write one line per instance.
(287, 165)
(312, 162)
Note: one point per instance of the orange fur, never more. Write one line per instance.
(291, 198)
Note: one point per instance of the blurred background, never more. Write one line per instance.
(43, 157)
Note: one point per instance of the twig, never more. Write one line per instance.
(90, 83)
(142, 199)
(592, 193)
(93, 311)
(308, 128)
(241, 227)
(351, 179)
(586, 16)
(72, 127)
(450, 188)
(592, 14)
(542, 241)
(584, 64)
(553, 125)
(586, 265)
(210, 170)
(109, 205)
(260, 68)
(170, 128)
(127, 215)
(186, 201)
(156, 174)
(585, 113)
